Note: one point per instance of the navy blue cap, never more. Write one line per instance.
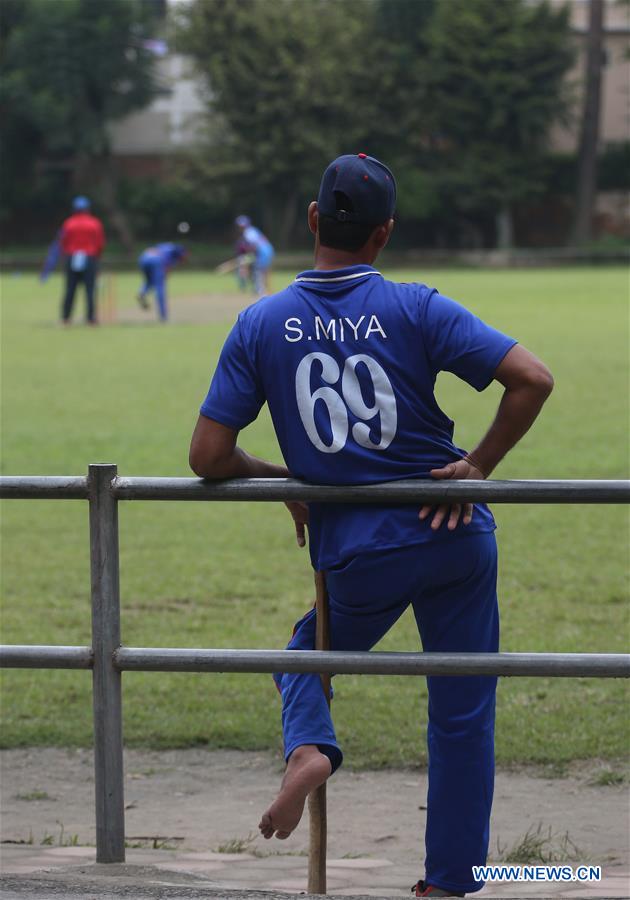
(366, 182)
(80, 203)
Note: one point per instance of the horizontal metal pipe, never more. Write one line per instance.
(44, 487)
(165, 659)
(170, 659)
(411, 491)
(32, 656)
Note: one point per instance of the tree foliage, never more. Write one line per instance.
(286, 83)
(67, 70)
(459, 96)
(497, 75)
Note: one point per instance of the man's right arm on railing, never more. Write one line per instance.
(214, 454)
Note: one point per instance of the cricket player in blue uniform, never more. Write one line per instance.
(347, 362)
(154, 264)
(261, 247)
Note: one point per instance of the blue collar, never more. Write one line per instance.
(350, 273)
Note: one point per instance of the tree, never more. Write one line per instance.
(68, 70)
(404, 123)
(288, 89)
(457, 96)
(497, 85)
(589, 131)
(399, 74)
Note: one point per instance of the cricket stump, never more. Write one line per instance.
(109, 298)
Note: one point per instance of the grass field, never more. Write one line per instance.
(229, 575)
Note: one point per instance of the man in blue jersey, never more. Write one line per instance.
(347, 363)
(256, 243)
(155, 263)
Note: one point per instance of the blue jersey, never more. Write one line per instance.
(165, 255)
(257, 241)
(347, 363)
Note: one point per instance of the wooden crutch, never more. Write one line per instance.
(317, 798)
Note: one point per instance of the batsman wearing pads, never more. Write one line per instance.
(347, 362)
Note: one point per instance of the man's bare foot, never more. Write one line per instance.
(306, 770)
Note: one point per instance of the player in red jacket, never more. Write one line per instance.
(82, 240)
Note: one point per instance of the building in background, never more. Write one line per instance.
(615, 93)
(608, 209)
(144, 141)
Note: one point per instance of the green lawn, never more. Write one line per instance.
(229, 575)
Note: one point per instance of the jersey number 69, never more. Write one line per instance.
(349, 398)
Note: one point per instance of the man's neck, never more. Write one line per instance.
(327, 258)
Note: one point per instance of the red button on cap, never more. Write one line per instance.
(362, 155)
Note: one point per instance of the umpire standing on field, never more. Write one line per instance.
(82, 240)
(347, 363)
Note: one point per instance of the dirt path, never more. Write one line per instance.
(197, 309)
(200, 800)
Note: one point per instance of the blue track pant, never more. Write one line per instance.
(155, 279)
(451, 585)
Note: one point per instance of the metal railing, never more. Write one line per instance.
(107, 658)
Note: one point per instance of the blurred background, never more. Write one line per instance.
(506, 123)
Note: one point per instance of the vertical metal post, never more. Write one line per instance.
(317, 799)
(106, 679)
